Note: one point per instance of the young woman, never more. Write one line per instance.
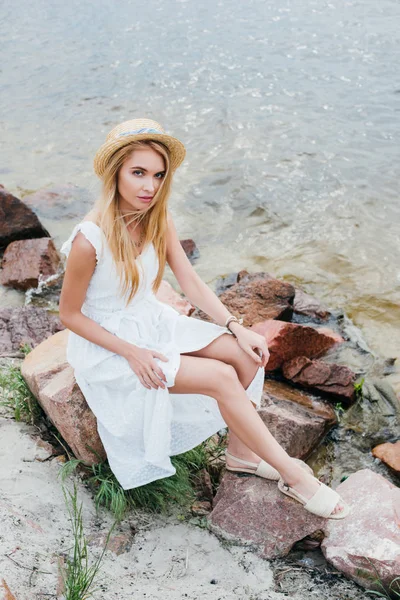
(158, 382)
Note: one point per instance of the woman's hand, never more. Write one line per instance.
(143, 364)
(249, 340)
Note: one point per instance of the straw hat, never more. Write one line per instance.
(136, 130)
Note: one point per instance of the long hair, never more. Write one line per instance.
(111, 221)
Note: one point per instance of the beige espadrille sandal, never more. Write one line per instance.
(262, 469)
(321, 504)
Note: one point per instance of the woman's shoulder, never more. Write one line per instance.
(90, 230)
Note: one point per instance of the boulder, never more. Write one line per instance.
(251, 511)
(296, 419)
(51, 380)
(289, 340)
(389, 454)
(17, 221)
(168, 295)
(366, 544)
(26, 325)
(257, 296)
(335, 380)
(26, 262)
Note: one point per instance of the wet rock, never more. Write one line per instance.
(168, 295)
(50, 378)
(335, 380)
(26, 325)
(296, 419)
(389, 454)
(304, 304)
(251, 511)
(190, 248)
(26, 262)
(289, 340)
(257, 296)
(47, 293)
(368, 538)
(17, 221)
(66, 201)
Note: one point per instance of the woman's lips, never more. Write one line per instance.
(145, 198)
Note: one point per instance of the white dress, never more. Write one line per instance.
(141, 428)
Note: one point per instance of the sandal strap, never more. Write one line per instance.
(246, 463)
(323, 502)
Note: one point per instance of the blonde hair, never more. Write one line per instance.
(110, 219)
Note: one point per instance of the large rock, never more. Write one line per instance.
(369, 538)
(26, 262)
(289, 340)
(26, 325)
(257, 296)
(251, 511)
(297, 420)
(389, 454)
(190, 248)
(51, 379)
(17, 221)
(335, 380)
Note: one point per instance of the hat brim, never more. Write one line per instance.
(176, 149)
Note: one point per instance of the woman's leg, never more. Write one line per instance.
(227, 350)
(219, 380)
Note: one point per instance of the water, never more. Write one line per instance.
(289, 111)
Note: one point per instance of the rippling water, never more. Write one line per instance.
(289, 111)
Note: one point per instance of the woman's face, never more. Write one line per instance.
(139, 178)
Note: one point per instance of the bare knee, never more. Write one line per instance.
(224, 378)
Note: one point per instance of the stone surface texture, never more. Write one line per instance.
(26, 325)
(168, 295)
(335, 380)
(296, 419)
(389, 453)
(251, 511)
(289, 340)
(370, 534)
(26, 262)
(51, 380)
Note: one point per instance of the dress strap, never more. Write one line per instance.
(92, 232)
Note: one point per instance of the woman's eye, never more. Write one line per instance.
(160, 175)
(137, 172)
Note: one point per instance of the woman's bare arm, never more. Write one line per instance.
(79, 270)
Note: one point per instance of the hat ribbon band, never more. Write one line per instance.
(143, 130)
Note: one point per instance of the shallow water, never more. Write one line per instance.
(289, 111)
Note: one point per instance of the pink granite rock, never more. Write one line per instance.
(65, 201)
(168, 295)
(389, 454)
(50, 378)
(27, 325)
(257, 296)
(289, 340)
(296, 419)
(335, 380)
(26, 262)
(251, 511)
(370, 534)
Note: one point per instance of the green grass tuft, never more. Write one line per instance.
(15, 394)
(78, 576)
